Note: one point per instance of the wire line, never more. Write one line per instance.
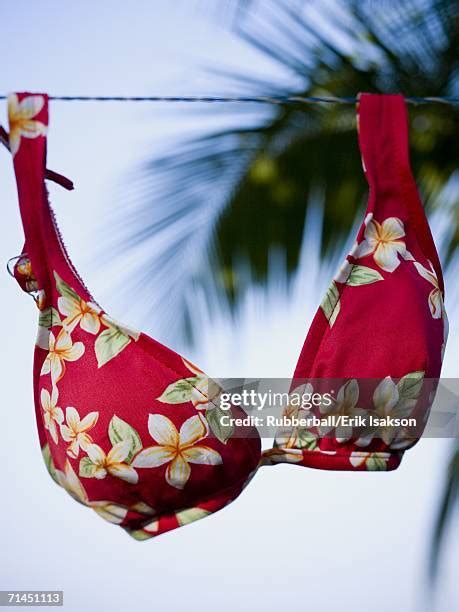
(256, 99)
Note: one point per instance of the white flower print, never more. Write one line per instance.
(111, 512)
(345, 404)
(74, 431)
(177, 448)
(79, 312)
(21, 119)
(52, 414)
(112, 463)
(61, 349)
(388, 404)
(384, 241)
(435, 297)
(374, 462)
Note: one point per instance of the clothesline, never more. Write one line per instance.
(258, 99)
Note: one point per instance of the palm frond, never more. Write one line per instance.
(236, 192)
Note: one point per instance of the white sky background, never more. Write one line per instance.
(296, 537)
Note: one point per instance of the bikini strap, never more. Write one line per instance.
(28, 123)
(43, 251)
(382, 121)
(383, 138)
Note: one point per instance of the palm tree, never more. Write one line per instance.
(235, 194)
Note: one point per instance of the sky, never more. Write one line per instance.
(307, 539)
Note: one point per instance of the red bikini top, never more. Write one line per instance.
(128, 427)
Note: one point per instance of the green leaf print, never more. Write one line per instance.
(64, 289)
(362, 275)
(179, 392)
(184, 517)
(220, 431)
(87, 468)
(410, 385)
(376, 463)
(119, 430)
(306, 439)
(49, 462)
(49, 318)
(109, 344)
(331, 304)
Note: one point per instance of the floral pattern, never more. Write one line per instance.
(351, 275)
(435, 298)
(381, 240)
(40, 299)
(177, 449)
(52, 414)
(295, 437)
(98, 464)
(183, 517)
(21, 119)
(74, 430)
(273, 456)
(384, 242)
(110, 341)
(355, 275)
(22, 271)
(110, 511)
(204, 394)
(61, 350)
(79, 312)
(345, 404)
(175, 403)
(396, 401)
(391, 400)
(23, 268)
(199, 389)
(374, 462)
(69, 481)
(331, 304)
(205, 391)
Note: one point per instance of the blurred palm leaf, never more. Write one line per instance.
(234, 194)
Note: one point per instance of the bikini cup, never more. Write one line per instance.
(128, 427)
(378, 338)
(125, 424)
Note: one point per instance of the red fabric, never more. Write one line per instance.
(387, 328)
(126, 424)
(126, 386)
